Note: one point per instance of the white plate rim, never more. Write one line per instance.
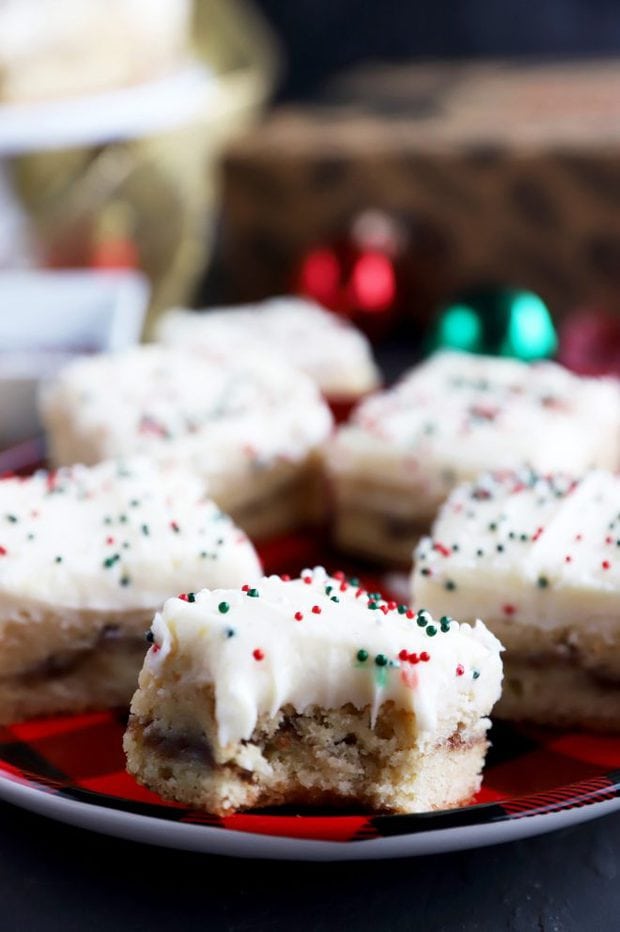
(207, 839)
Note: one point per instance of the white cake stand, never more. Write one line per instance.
(132, 112)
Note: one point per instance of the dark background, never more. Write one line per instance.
(322, 37)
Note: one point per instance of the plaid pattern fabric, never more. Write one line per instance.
(529, 771)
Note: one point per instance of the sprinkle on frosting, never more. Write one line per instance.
(553, 543)
(117, 570)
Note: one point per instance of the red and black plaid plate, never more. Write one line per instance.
(529, 772)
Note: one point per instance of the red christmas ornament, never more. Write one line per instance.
(590, 342)
(357, 275)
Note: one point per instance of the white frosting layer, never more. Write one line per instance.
(228, 418)
(523, 547)
(115, 537)
(259, 656)
(332, 352)
(458, 414)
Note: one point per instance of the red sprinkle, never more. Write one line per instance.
(609, 540)
(409, 613)
(403, 654)
(384, 609)
(568, 558)
(413, 658)
(307, 579)
(344, 586)
(359, 593)
(245, 588)
(578, 536)
(298, 616)
(460, 670)
(316, 609)
(258, 654)
(109, 540)
(509, 609)
(442, 549)
(338, 575)
(606, 564)
(425, 657)
(174, 526)
(392, 605)
(537, 533)
(2, 551)
(183, 596)
(285, 577)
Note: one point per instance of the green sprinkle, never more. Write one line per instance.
(124, 580)
(335, 598)
(542, 582)
(150, 636)
(328, 589)
(122, 519)
(253, 593)
(362, 655)
(444, 623)
(145, 530)
(479, 553)
(12, 519)
(381, 660)
(107, 520)
(191, 596)
(431, 631)
(354, 581)
(110, 561)
(223, 607)
(204, 554)
(493, 526)
(476, 674)
(134, 503)
(57, 559)
(422, 618)
(372, 605)
(402, 609)
(500, 548)
(30, 536)
(230, 632)
(450, 585)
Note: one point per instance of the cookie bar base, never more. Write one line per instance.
(556, 692)
(288, 498)
(320, 757)
(377, 536)
(55, 660)
(102, 677)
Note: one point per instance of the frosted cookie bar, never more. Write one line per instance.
(449, 419)
(247, 424)
(538, 557)
(334, 353)
(311, 691)
(86, 557)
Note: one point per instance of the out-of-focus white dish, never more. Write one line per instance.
(48, 317)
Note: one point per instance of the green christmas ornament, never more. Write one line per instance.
(499, 322)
